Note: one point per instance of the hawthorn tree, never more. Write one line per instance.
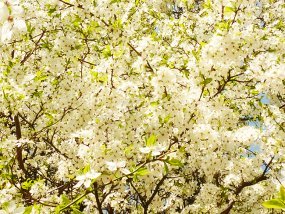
(116, 106)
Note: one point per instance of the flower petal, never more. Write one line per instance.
(87, 183)
(79, 184)
(145, 150)
(20, 25)
(112, 166)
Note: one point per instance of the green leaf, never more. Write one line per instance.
(46, 45)
(40, 76)
(86, 169)
(254, 92)
(174, 162)
(77, 21)
(27, 184)
(65, 199)
(151, 140)
(37, 93)
(76, 211)
(282, 193)
(196, 54)
(166, 169)
(57, 209)
(229, 9)
(203, 44)
(274, 203)
(80, 199)
(224, 25)
(182, 149)
(28, 210)
(50, 118)
(206, 81)
(118, 24)
(280, 25)
(5, 205)
(167, 118)
(51, 11)
(207, 4)
(30, 29)
(107, 51)
(141, 171)
(154, 103)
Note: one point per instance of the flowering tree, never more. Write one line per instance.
(141, 106)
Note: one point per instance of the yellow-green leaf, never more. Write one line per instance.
(229, 9)
(141, 171)
(282, 193)
(151, 140)
(274, 203)
(174, 162)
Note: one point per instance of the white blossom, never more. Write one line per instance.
(142, 106)
(86, 179)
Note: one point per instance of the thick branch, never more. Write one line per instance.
(282, 106)
(143, 202)
(99, 204)
(158, 185)
(245, 184)
(19, 148)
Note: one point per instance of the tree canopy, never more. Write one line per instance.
(118, 106)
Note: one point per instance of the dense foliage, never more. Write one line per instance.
(141, 106)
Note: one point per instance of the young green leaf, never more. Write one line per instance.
(229, 9)
(76, 211)
(166, 169)
(207, 81)
(174, 162)
(274, 203)
(65, 199)
(58, 209)
(28, 210)
(151, 140)
(86, 169)
(282, 193)
(141, 171)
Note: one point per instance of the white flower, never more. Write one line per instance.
(86, 179)
(145, 150)
(12, 20)
(82, 150)
(143, 44)
(6, 32)
(155, 150)
(20, 25)
(4, 12)
(28, 78)
(166, 75)
(83, 134)
(231, 178)
(175, 131)
(246, 134)
(125, 171)
(12, 208)
(113, 166)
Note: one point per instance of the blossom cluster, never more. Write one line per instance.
(141, 106)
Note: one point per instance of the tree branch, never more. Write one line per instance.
(99, 204)
(29, 54)
(19, 148)
(158, 185)
(245, 184)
